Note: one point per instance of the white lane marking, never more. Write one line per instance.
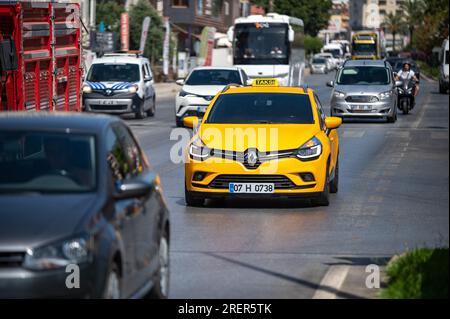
(353, 134)
(421, 114)
(332, 282)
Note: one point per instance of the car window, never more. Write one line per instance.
(364, 75)
(261, 108)
(124, 158)
(47, 162)
(148, 69)
(244, 77)
(213, 77)
(113, 72)
(320, 112)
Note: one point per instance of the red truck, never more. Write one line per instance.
(40, 67)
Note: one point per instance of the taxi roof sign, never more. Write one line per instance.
(265, 82)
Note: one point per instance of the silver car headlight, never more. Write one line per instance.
(385, 95)
(310, 150)
(339, 95)
(198, 150)
(58, 255)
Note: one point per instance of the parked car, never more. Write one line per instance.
(77, 191)
(364, 88)
(200, 87)
(120, 83)
(443, 68)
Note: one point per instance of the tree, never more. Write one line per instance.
(312, 45)
(413, 12)
(154, 44)
(393, 22)
(109, 12)
(314, 13)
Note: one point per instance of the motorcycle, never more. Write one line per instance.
(406, 100)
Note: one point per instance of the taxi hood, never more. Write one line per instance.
(264, 137)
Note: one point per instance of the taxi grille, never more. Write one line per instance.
(11, 259)
(279, 181)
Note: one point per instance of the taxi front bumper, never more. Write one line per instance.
(210, 178)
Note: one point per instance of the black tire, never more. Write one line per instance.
(178, 121)
(393, 118)
(159, 291)
(107, 293)
(191, 200)
(442, 89)
(334, 183)
(140, 113)
(151, 111)
(324, 197)
(405, 109)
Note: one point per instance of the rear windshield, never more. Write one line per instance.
(46, 162)
(319, 61)
(261, 108)
(364, 75)
(214, 77)
(114, 73)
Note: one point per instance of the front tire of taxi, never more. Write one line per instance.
(334, 184)
(192, 200)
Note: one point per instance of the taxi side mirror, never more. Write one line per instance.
(180, 82)
(333, 122)
(191, 121)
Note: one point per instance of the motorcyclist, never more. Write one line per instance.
(407, 74)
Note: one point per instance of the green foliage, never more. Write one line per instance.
(154, 44)
(314, 13)
(413, 11)
(109, 12)
(394, 24)
(312, 45)
(421, 273)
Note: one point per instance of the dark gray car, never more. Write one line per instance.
(364, 88)
(82, 213)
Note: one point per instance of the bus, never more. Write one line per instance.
(269, 46)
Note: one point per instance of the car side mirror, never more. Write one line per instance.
(8, 56)
(191, 121)
(148, 78)
(291, 35)
(180, 82)
(133, 188)
(332, 122)
(398, 83)
(330, 84)
(230, 34)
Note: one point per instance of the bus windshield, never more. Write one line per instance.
(364, 49)
(261, 43)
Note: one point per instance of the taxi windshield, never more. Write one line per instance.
(46, 162)
(261, 108)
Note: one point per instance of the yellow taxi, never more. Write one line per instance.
(263, 141)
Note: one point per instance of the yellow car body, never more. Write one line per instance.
(230, 143)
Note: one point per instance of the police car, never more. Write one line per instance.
(120, 83)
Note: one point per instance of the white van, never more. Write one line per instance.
(443, 68)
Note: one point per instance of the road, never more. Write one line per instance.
(393, 196)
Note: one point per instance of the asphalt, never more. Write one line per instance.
(393, 196)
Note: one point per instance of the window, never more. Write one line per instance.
(109, 72)
(261, 108)
(47, 162)
(363, 75)
(214, 77)
(180, 3)
(124, 158)
(320, 112)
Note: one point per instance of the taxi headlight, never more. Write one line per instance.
(310, 150)
(87, 89)
(198, 150)
(339, 95)
(71, 251)
(133, 89)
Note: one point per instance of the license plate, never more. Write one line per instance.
(251, 188)
(108, 102)
(362, 108)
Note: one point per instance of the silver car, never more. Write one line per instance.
(319, 65)
(364, 88)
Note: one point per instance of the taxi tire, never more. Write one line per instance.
(191, 200)
(324, 197)
(334, 184)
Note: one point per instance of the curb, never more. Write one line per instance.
(431, 80)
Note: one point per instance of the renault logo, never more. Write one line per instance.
(108, 92)
(252, 158)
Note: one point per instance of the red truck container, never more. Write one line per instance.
(46, 35)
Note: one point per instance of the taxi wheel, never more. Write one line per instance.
(324, 197)
(334, 184)
(192, 200)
